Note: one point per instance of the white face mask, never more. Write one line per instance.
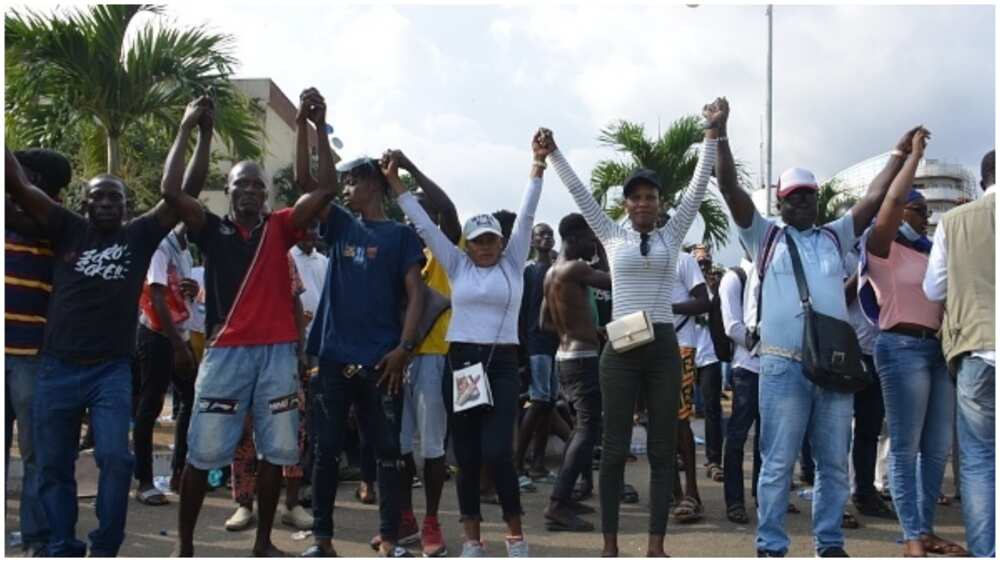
(908, 232)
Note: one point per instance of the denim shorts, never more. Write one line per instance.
(544, 381)
(233, 382)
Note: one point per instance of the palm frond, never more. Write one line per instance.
(607, 174)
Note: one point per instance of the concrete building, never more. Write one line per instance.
(279, 136)
(944, 184)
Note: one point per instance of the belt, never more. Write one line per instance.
(919, 333)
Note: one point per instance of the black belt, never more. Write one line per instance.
(919, 333)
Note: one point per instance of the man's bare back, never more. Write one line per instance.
(567, 308)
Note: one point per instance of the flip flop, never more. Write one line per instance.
(629, 494)
(714, 471)
(738, 514)
(943, 547)
(151, 496)
(792, 508)
(850, 521)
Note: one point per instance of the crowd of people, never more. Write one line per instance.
(292, 338)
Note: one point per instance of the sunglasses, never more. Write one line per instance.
(644, 244)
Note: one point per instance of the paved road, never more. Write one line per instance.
(356, 523)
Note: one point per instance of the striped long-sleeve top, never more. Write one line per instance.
(642, 282)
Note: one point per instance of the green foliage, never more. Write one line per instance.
(831, 201)
(75, 85)
(673, 159)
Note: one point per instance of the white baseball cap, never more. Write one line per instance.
(794, 179)
(479, 225)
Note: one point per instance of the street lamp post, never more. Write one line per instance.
(770, 43)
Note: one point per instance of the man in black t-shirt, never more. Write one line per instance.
(100, 264)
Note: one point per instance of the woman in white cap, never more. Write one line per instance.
(486, 284)
(643, 265)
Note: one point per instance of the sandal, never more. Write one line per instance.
(738, 514)
(152, 496)
(689, 510)
(936, 545)
(850, 521)
(714, 471)
(792, 508)
(629, 494)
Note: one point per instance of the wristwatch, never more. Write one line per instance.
(408, 346)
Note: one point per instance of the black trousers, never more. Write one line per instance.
(155, 358)
(485, 436)
(710, 381)
(581, 386)
(869, 411)
(746, 413)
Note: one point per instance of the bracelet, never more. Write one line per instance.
(897, 152)
(540, 164)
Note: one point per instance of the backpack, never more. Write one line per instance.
(724, 346)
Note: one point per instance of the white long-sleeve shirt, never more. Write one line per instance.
(732, 297)
(485, 301)
(641, 282)
(936, 279)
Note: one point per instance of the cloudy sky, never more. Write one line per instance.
(461, 88)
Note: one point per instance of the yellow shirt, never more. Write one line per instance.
(436, 278)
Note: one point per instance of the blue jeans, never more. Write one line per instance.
(920, 411)
(976, 441)
(544, 385)
(21, 378)
(745, 414)
(64, 390)
(789, 406)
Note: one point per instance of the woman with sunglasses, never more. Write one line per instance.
(487, 281)
(643, 265)
(919, 395)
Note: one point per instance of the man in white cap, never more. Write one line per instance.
(790, 404)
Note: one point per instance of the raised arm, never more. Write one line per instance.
(176, 204)
(303, 175)
(737, 199)
(715, 115)
(519, 245)
(864, 210)
(580, 272)
(440, 245)
(439, 200)
(602, 225)
(315, 205)
(32, 200)
(890, 214)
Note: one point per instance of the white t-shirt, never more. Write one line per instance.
(169, 258)
(196, 323)
(312, 271)
(688, 277)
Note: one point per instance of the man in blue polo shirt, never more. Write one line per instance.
(790, 404)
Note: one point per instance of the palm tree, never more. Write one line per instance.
(77, 67)
(672, 158)
(832, 202)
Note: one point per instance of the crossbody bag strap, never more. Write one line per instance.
(800, 275)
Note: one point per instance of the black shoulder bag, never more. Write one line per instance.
(832, 361)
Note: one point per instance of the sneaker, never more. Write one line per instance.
(473, 549)
(397, 552)
(832, 552)
(241, 520)
(517, 547)
(297, 517)
(431, 539)
(526, 483)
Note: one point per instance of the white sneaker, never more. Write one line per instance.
(517, 548)
(241, 520)
(473, 549)
(297, 517)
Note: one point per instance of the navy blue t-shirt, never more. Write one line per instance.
(360, 314)
(534, 339)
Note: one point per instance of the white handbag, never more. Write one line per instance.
(630, 331)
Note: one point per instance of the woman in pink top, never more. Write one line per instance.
(919, 395)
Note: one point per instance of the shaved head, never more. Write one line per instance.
(246, 169)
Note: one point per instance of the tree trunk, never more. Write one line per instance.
(114, 163)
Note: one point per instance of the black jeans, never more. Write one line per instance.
(580, 385)
(710, 381)
(156, 371)
(745, 413)
(869, 411)
(380, 414)
(485, 436)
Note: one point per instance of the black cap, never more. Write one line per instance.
(54, 168)
(641, 175)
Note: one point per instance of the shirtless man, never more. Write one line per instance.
(568, 310)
